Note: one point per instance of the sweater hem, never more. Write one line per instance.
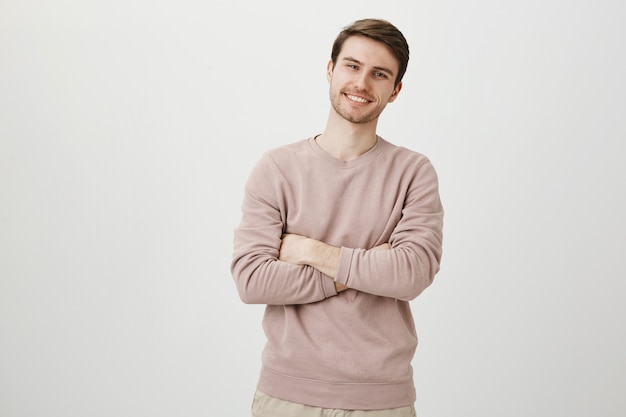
(339, 395)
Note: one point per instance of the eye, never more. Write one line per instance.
(380, 75)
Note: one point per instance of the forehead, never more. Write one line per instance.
(369, 52)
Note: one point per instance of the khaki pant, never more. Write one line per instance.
(266, 406)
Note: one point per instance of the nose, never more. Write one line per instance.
(361, 81)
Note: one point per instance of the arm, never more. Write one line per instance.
(301, 250)
(409, 267)
(403, 271)
(262, 278)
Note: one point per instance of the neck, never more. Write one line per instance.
(346, 140)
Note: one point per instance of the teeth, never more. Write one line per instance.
(357, 99)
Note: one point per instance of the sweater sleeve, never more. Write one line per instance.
(260, 277)
(409, 267)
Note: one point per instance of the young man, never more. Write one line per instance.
(338, 233)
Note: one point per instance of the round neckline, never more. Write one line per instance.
(361, 159)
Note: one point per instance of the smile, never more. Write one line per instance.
(357, 99)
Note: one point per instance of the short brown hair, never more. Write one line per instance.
(378, 30)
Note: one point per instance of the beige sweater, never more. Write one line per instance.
(351, 350)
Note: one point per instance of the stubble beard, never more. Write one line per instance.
(361, 119)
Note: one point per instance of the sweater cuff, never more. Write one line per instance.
(328, 285)
(345, 260)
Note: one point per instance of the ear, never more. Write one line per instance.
(329, 70)
(395, 93)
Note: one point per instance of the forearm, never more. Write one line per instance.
(260, 277)
(300, 250)
(266, 280)
(323, 257)
(416, 247)
(401, 272)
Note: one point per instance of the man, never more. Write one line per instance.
(338, 233)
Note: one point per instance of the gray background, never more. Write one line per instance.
(127, 131)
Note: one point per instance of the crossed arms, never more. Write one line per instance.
(272, 266)
(300, 250)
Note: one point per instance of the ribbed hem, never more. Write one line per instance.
(345, 396)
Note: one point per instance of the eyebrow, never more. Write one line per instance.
(356, 61)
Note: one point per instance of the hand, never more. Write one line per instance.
(292, 249)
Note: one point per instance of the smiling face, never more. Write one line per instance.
(362, 80)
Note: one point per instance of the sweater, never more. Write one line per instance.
(353, 349)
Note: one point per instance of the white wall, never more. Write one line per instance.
(127, 130)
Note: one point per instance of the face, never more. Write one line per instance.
(362, 80)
